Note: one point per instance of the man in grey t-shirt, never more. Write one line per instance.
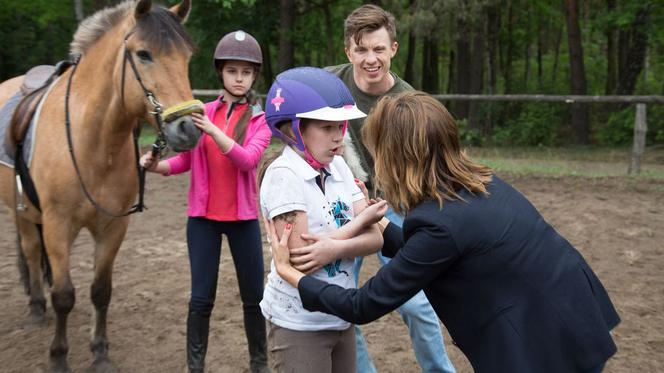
(370, 44)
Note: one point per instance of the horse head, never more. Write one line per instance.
(157, 53)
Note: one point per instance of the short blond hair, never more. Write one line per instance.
(415, 145)
(368, 18)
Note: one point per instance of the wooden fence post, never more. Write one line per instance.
(640, 128)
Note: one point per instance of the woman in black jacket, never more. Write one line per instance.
(513, 293)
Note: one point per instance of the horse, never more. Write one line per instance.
(133, 64)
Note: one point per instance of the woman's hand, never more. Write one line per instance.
(281, 252)
(149, 161)
(203, 123)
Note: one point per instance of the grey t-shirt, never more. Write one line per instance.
(365, 102)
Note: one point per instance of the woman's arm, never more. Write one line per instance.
(361, 236)
(427, 253)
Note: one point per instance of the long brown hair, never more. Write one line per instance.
(415, 144)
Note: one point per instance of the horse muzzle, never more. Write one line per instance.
(179, 129)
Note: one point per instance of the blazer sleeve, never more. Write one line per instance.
(427, 253)
(246, 157)
(392, 240)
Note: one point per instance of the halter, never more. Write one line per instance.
(158, 148)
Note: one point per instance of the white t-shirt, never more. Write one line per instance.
(290, 184)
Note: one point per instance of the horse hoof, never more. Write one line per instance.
(34, 321)
(102, 365)
(59, 369)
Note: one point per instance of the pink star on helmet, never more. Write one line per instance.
(277, 100)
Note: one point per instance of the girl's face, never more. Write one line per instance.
(323, 139)
(238, 77)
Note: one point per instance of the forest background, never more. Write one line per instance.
(583, 47)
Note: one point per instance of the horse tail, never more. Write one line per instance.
(23, 270)
(45, 263)
(22, 265)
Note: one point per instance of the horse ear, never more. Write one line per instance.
(142, 8)
(182, 10)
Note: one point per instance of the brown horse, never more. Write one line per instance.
(134, 59)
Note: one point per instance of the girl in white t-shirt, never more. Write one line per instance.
(309, 189)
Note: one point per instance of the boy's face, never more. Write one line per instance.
(371, 58)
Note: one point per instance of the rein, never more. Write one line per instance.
(158, 147)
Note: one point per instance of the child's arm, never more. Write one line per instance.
(324, 249)
(153, 164)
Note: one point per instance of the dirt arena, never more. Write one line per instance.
(617, 223)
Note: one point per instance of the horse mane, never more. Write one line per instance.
(160, 27)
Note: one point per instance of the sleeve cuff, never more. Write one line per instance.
(309, 288)
(392, 240)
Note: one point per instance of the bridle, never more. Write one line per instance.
(158, 148)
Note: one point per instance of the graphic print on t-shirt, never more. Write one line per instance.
(340, 212)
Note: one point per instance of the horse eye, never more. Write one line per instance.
(144, 56)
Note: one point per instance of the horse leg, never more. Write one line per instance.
(58, 238)
(107, 241)
(31, 250)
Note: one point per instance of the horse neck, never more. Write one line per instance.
(101, 116)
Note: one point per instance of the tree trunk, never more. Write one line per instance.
(578, 75)
(610, 32)
(477, 71)
(451, 73)
(540, 47)
(507, 66)
(463, 65)
(286, 57)
(430, 76)
(78, 10)
(268, 74)
(556, 55)
(409, 73)
(493, 32)
(634, 44)
(329, 31)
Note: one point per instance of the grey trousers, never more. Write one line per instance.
(325, 351)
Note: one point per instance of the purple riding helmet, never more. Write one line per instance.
(308, 93)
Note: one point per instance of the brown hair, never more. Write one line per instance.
(415, 144)
(368, 18)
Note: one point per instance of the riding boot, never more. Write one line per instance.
(254, 327)
(198, 326)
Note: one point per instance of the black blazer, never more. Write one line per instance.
(513, 293)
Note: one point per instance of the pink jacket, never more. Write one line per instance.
(245, 157)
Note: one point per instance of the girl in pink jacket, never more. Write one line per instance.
(222, 197)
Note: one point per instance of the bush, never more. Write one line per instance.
(536, 124)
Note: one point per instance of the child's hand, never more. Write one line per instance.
(311, 258)
(149, 162)
(373, 213)
(203, 123)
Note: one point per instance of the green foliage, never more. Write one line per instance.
(536, 124)
(467, 135)
(619, 128)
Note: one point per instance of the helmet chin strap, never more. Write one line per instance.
(312, 161)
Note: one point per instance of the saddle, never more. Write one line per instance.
(35, 84)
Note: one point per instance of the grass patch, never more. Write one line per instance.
(569, 161)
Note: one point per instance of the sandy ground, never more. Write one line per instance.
(616, 223)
